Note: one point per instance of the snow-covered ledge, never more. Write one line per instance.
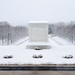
(38, 45)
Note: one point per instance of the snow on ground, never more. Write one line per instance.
(21, 41)
(61, 41)
(25, 56)
(53, 41)
(54, 55)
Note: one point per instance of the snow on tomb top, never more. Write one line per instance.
(38, 21)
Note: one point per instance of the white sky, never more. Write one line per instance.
(19, 12)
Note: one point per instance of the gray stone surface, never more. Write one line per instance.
(37, 72)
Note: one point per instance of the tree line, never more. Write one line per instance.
(9, 34)
(63, 30)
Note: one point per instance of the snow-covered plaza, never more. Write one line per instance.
(55, 55)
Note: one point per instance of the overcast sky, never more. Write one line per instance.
(19, 12)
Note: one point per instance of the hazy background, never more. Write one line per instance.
(15, 14)
(19, 12)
